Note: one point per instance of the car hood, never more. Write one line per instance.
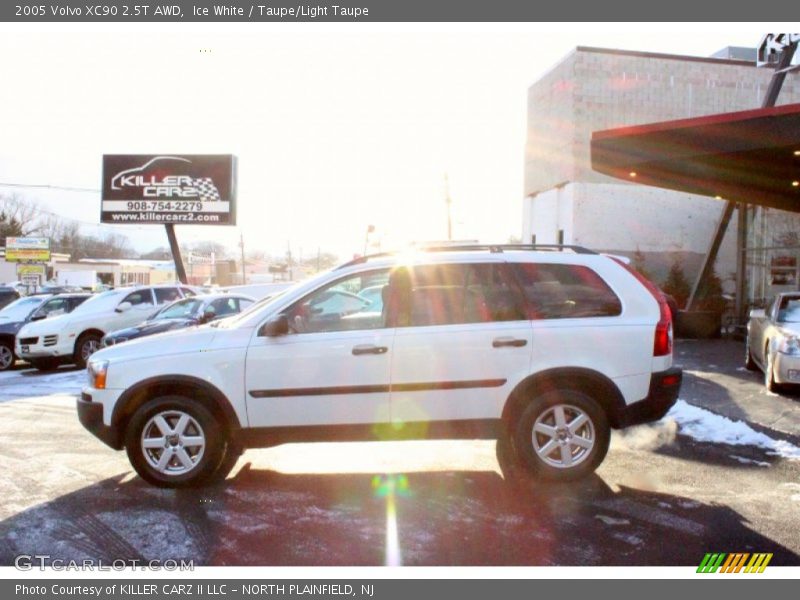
(46, 326)
(170, 342)
(12, 327)
(792, 329)
(153, 327)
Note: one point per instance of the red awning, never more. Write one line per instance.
(748, 156)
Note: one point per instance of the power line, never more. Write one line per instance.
(48, 186)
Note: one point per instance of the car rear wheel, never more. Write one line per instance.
(173, 442)
(562, 435)
(7, 357)
(87, 344)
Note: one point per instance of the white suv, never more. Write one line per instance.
(74, 337)
(544, 350)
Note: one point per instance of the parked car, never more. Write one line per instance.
(195, 310)
(773, 341)
(7, 295)
(74, 337)
(25, 310)
(545, 351)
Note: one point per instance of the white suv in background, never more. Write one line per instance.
(74, 337)
(545, 349)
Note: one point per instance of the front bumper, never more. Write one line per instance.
(786, 368)
(44, 347)
(664, 389)
(90, 414)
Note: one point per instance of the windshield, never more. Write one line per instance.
(20, 309)
(182, 309)
(98, 301)
(789, 311)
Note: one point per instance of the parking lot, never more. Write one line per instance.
(666, 494)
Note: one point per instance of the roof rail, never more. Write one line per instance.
(493, 248)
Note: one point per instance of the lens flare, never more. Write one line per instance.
(390, 487)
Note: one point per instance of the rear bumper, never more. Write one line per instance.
(664, 389)
(90, 414)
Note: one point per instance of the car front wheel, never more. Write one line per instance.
(769, 372)
(173, 441)
(562, 435)
(87, 344)
(7, 357)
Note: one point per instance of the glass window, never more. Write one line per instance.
(466, 293)
(55, 307)
(187, 292)
(244, 303)
(789, 311)
(559, 291)
(164, 295)
(223, 307)
(339, 307)
(139, 297)
(185, 309)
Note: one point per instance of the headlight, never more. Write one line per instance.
(790, 345)
(97, 371)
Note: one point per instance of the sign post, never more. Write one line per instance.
(168, 189)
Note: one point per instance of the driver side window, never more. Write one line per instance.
(352, 303)
(139, 297)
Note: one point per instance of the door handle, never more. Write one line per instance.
(508, 342)
(369, 349)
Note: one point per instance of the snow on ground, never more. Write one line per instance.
(27, 384)
(706, 426)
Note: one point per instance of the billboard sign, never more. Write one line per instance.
(30, 249)
(163, 189)
(31, 275)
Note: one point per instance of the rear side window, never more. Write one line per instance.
(559, 291)
(164, 295)
(465, 293)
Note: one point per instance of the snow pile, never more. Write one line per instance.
(706, 426)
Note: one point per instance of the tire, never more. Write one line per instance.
(749, 363)
(7, 358)
(769, 375)
(562, 435)
(156, 442)
(44, 364)
(230, 456)
(87, 344)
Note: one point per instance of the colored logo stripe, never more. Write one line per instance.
(734, 562)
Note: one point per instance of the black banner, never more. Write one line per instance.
(187, 189)
(388, 11)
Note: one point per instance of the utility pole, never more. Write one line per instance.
(449, 203)
(241, 245)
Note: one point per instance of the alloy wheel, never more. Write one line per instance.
(173, 442)
(563, 436)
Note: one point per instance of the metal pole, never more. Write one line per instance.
(241, 244)
(176, 253)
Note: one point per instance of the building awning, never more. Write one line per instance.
(748, 156)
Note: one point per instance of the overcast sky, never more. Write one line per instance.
(335, 126)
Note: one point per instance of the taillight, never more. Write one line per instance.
(662, 346)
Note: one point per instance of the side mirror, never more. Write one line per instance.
(275, 327)
(124, 306)
(758, 313)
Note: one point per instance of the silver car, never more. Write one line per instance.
(773, 341)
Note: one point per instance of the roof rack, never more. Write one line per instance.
(493, 248)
